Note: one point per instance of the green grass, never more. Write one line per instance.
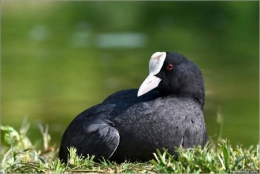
(20, 155)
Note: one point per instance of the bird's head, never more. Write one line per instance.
(172, 74)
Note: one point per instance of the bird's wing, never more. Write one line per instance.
(91, 133)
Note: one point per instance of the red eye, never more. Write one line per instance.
(170, 66)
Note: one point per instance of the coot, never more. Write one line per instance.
(166, 112)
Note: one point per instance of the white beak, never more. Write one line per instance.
(155, 65)
(149, 83)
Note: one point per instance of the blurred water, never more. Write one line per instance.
(121, 40)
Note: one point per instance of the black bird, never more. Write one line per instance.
(166, 113)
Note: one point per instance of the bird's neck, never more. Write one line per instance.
(198, 97)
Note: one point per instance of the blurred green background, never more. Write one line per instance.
(60, 58)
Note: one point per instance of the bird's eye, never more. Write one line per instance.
(170, 66)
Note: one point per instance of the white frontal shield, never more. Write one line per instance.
(155, 65)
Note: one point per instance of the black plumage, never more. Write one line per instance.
(127, 127)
